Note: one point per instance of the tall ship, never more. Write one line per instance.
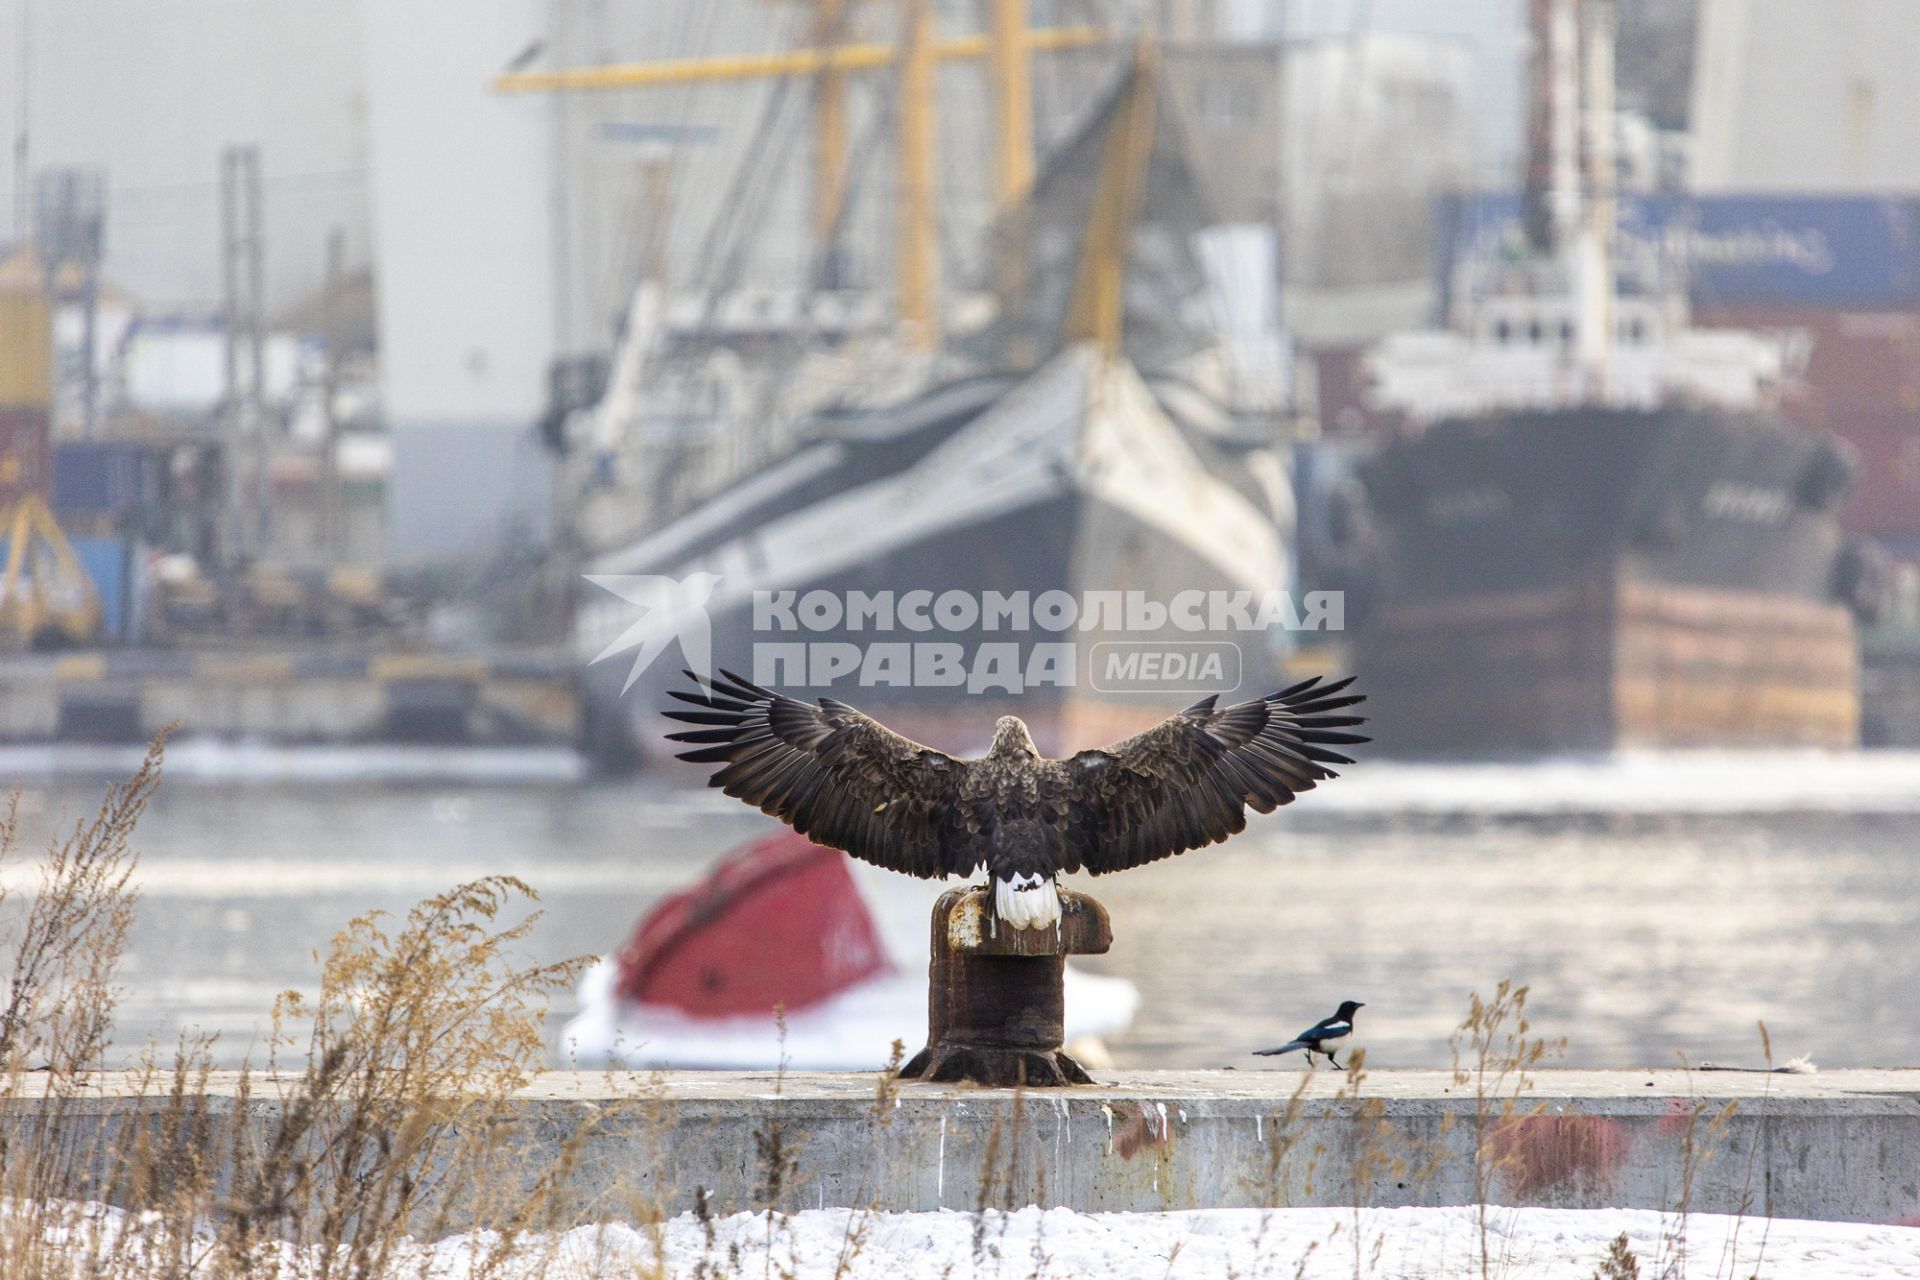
(1076, 434)
(1594, 529)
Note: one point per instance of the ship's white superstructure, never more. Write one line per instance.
(1554, 321)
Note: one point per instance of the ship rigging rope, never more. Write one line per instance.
(754, 184)
(628, 255)
(853, 183)
(630, 246)
(860, 169)
(693, 99)
(721, 255)
(747, 189)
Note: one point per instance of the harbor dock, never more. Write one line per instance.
(287, 696)
(1835, 1145)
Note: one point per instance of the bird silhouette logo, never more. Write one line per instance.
(670, 609)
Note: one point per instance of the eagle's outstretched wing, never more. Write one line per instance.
(831, 773)
(1187, 781)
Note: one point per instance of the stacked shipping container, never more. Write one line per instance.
(26, 383)
(101, 486)
(73, 478)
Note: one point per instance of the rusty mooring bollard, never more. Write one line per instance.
(996, 1001)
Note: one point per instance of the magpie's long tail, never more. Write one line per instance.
(1288, 1047)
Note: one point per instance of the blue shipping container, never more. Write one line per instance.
(104, 477)
(1830, 252)
(112, 563)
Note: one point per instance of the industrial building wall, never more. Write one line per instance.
(1807, 95)
(1341, 145)
(463, 491)
(1488, 34)
(152, 92)
(462, 200)
(1375, 130)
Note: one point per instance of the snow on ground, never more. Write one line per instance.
(1431, 1244)
(1288, 1244)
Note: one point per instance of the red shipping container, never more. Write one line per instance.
(1849, 362)
(1345, 392)
(23, 453)
(1885, 501)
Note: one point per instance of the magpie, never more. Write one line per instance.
(1327, 1036)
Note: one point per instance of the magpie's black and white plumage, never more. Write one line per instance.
(1327, 1036)
(849, 782)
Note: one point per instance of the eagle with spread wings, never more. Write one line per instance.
(848, 782)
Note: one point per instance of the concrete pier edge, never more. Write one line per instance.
(1838, 1145)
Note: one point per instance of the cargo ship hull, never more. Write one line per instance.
(1588, 579)
(1073, 480)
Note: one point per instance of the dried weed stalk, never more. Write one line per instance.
(1494, 1053)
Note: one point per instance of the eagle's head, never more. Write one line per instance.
(1010, 737)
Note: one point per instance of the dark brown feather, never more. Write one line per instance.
(1189, 780)
(848, 782)
(835, 775)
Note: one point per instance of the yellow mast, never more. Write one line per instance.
(792, 62)
(1011, 61)
(1098, 307)
(1011, 58)
(829, 136)
(917, 275)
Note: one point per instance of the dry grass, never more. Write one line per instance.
(390, 1090)
(1730, 1262)
(1495, 1053)
(381, 1116)
(1619, 1262)
(63, 954)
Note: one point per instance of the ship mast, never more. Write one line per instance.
(829, 138)
(917, 279)
(1009, 46)
(1096, 310)
(1562, 44)
(1010, 56)
(1594, 248)
(1570, 209)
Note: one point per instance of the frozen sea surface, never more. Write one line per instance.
(1660, 904)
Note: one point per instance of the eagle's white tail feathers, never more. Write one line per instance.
(1027, 902)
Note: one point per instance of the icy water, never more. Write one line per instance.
(1658, 905)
